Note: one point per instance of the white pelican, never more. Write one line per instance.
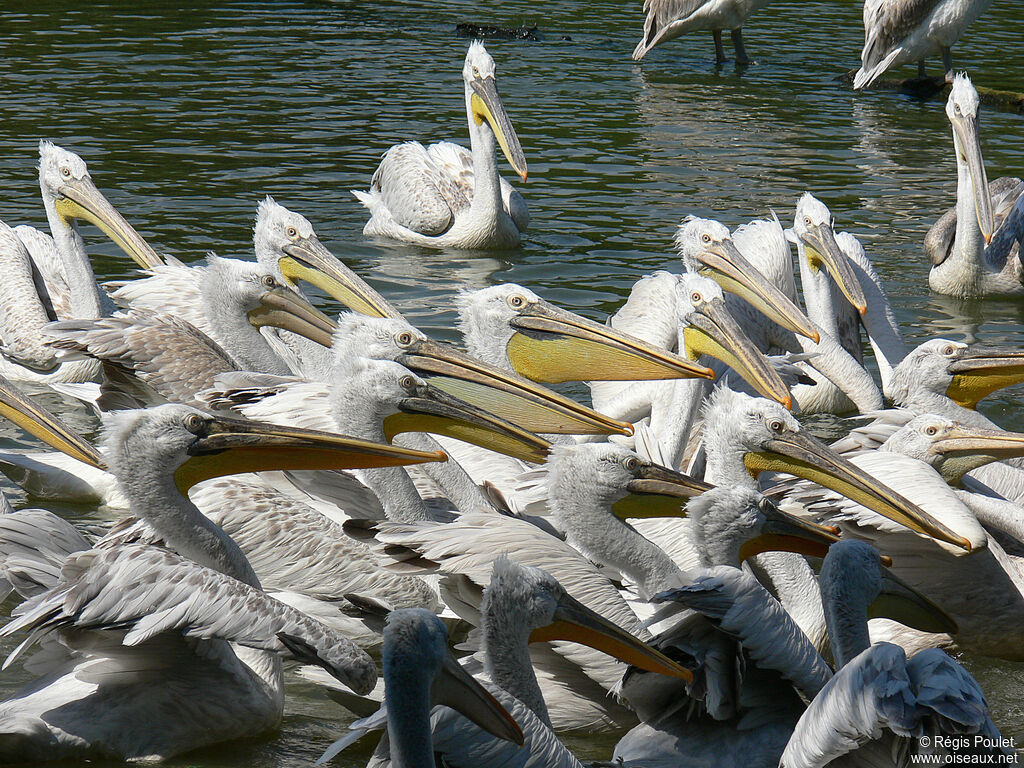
(198, 622)
(442, 197)
(668, 19)
(962, 265)
(879, 706)
(898, 32)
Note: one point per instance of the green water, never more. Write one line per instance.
(188, 118)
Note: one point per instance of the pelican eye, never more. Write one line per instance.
(408, 383)
(403, 339)
(65, 172)
(931, 431)
(695, 297)
(631, 463)
(476, 71)
(194, 423)
(269, 281)
(292, 232)
(706, 237)
(807, 220)
(948, 350)
(956, 108)
(776, 425)
(516, 301)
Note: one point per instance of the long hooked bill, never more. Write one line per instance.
(987, 444)
(797, 453)
(900, 602)
(229, 446)
(980, 371)
(658, 491)
(454, 687)
(576, 623)
(80, 199)
(552, 345)
(969, 138)
(17, 407)
(822, 249)
(284, 308)
(308, 259)
(783, 532)
(486, 105)
(429, 409)
(712, 330)
(724, 263)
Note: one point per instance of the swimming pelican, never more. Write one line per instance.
(668, 19)
(961, 264)
(898, 32)
(442, 197)
(879, 703)
(208, 637)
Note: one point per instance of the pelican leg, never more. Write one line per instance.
(719, 49)
(947, 64)
(737, 42)
(922, 73)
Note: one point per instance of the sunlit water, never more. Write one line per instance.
(188, 118)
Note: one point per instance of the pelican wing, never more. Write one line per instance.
(23, 312)
(34, 543)
(457, 161)
(173, 288)
(418, 194)
(664, 20)
(1008, 210)
(887, 23)
(46, 258)
(938, 241)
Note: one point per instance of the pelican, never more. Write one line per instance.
(668, 19)
(198, 622)
(898, 32)
(962, 265)
(879, 704)
(441, 196)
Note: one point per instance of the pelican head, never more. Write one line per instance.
(814, 228)
(765, 437)
(421, 672)
(965, 374)
(528, 600)
(709, 328)
(732, 524)
(953, 449)
(285, 243)
(484, 104)
(706, 246)
(962, 111)
(199, 446)
(511, 325)
(67, 186)
(385, 391)
(505, 394)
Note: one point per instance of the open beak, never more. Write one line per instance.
(797, 453)
(284, 308)
(486, 105)
(229, 446)
(822, 248)
(454, 687)
(969, 140)
(80, 199)
(900, 602)
(505, 394)
(783, 532)
(43, 425)
(658, 492)
(576, 623)
(309, 260)
(713, 331)
(723, 262)
(980, 371)
(430, 409)
(552, 345)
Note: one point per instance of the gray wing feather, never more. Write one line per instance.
(661, 14)
(887, 23)
(938, 241)
(418, 194)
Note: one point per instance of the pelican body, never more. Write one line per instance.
(668, 19)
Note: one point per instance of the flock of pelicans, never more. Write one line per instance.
(298, 487)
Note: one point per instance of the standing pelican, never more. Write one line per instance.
(442, 197)
(962, 264)
(898, 32)
(668, 19)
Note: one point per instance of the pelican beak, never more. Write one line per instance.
(228, 446)
(576, 623)
(712, 330)
(658, 492)
(980, 371)
(505, 394)
(783, 532)
(43, 425)
(901, 602)
(965, 129)
(308, 259)
(797, 453)
(80, 199)
(454, 687)
(723, 262)
(552, 345)
(429, 409)
(964, 448)
(486, 105)
(822, 248)
(282, 307)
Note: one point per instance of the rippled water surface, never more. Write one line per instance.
(188, 118)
